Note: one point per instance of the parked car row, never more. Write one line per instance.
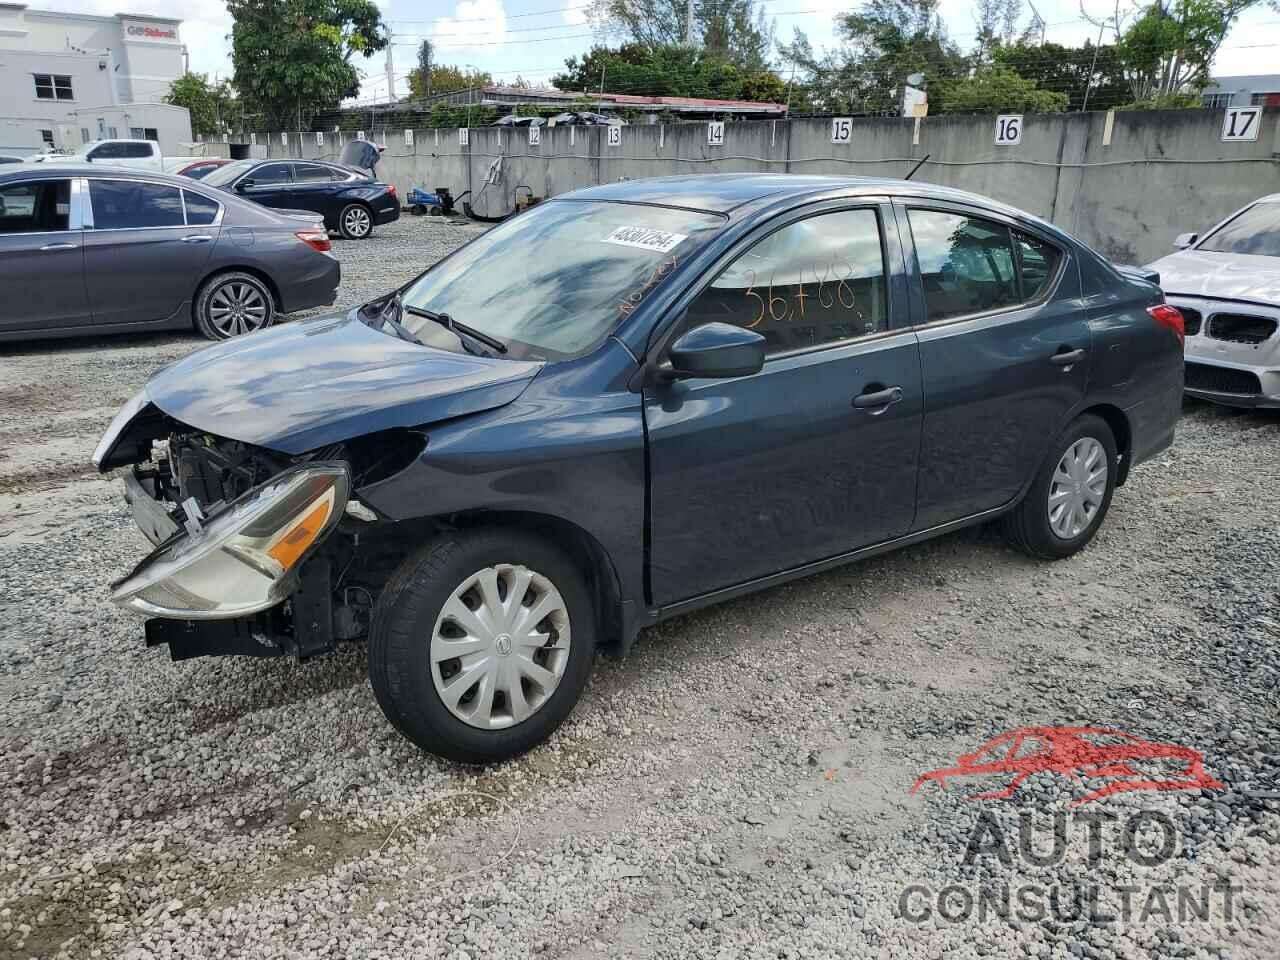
(624, 404)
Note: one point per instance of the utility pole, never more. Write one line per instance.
(391, 71)
(688, 23)
(1092, 67)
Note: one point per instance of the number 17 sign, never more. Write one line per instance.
(1241, 123)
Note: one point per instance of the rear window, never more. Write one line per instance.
(1255, 230)
(131, 205)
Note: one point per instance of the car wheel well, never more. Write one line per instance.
(1119, 423)
(252, 271)
(584, 550)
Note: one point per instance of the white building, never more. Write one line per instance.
(67, 78)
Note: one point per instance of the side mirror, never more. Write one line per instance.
(1184, 240)
(244, 185)
(715, 350)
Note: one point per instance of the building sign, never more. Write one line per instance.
(139, 31)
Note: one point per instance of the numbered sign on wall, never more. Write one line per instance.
(1009, 130)
(1241, 123)
(408, 138)
(841, 129)
(464, 136)
(535, 135)
(614, 137)
(359, 134)
(319, 138)
(253, 139)
(284, 139)
(715, 133)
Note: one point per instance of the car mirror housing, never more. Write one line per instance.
(1184, 240)
(244, 185)
(715, 350)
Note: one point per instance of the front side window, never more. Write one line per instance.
(40, 207)
(554, 280)
(966, 264)
(131, 205)
(819, 280)
(53, 86)
(1255, 230)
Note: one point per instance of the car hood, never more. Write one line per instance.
(1229, 276)
(309, 383)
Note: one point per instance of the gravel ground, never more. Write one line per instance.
(738, 787)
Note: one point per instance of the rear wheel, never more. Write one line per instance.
(355, 222)
(481, 645)
(231, 304)
(1071, 494)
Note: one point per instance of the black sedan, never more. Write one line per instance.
(350, 201)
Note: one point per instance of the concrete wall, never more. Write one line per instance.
(1161, 173)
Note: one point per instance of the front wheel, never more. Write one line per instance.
(481, 645)
(355, 222)
(1071, 494)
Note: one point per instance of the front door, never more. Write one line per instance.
(41, 258)
(1004, 351)
(755, 475)
(142, 260)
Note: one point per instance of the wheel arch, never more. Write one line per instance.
(218, 271)
(1121, 429)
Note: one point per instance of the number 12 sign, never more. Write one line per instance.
(1009, 130)
(1241, 123)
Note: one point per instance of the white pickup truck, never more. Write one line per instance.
(144, 154)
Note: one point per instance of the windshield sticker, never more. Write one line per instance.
(659, 241)
(633, 299)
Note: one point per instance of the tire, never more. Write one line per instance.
(409, 622)
(233, 303)
(355, 222)
(1028, 526)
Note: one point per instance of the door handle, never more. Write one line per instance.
(197, 238)
(882, 399)
(1065, 358)
(59, 246)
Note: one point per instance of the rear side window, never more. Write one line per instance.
(135, 151)
(966, 264)
(131, 205)
(270, 173)
(39, 207)
(819, 280)
(108, 151)
(311, 173)
(200, 210)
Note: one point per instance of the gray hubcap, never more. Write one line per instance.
(237, 307)
(356, 221)
(1078, 487)
(500, 646)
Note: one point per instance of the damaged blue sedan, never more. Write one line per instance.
(624, 404)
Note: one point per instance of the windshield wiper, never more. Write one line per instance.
(461, 329)
(384, 317)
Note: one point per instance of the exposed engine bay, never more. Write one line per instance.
(193, 480)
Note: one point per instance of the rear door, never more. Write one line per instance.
(142, 259)
(1004, 352)
(755, 475)
(41, 257)
(270, 184)
(314, 189)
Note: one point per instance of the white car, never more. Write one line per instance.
(1226, 282)
(139, 154)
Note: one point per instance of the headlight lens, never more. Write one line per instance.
(241, 561)
(118, 423)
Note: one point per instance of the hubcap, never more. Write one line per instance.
(1078, 487)
(237, 307)
(500, 646)
(357, 221)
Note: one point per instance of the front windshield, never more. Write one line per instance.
(1256, 230)
(228, 172)
(555, 279)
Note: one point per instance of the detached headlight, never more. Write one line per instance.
(241, 561)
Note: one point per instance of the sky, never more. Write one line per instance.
(532, 38)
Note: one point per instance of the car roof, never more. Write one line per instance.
(724, 192)
(46, 170)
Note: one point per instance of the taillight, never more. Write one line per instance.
(391, 189)
(318, 239)
(1170, 318)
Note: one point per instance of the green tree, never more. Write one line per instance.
(212, 106)
(669, 70)
(292, 58)
(883, 43)
(446, 79)
(1069, 70)
(994, 90)
(1168, 49)
(735, 31)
